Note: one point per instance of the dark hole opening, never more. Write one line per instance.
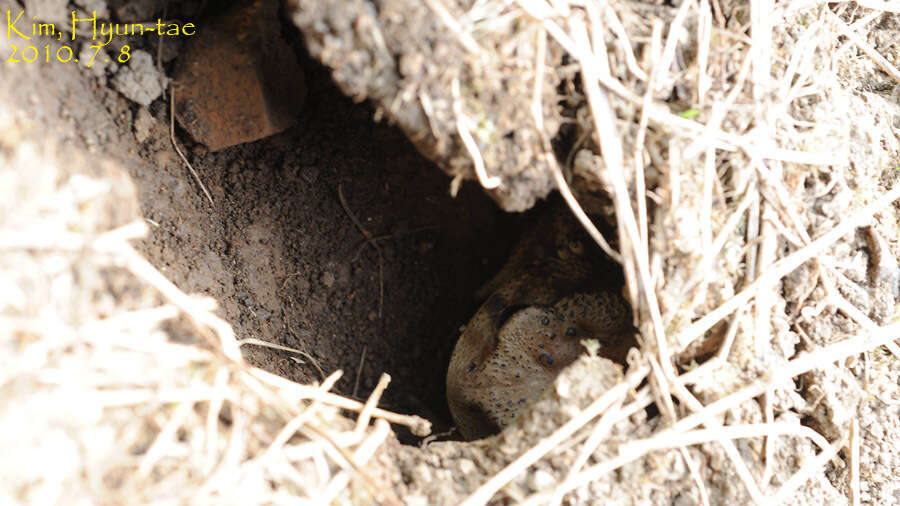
(282, 254)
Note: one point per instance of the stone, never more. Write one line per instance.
(139, 81)
(143, 125)
(97, 61)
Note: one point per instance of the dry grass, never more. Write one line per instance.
(582, 29)
(119, 387)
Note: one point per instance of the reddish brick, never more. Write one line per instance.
(238, 80)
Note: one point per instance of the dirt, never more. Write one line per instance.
(280, 253)
(386, 51)
(403, 57)
(297, 272)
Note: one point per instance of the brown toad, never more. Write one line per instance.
(556, 290)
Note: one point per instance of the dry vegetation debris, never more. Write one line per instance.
(749, 155)
(118, 387)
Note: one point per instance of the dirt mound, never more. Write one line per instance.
(746, 156)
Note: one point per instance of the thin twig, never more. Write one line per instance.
(784, 267)
(550, 158)
(643, 399)
(615, 24)
(178, 150)
(742, 431)
(811, 467)
(822, 357)
(362, 361)
(762, 329)
(157, 449)
(484, 493)
(366, 414)
(885, 5)
(694, 469)
(220, 384)
(640, 190)
(390, 236)
(489, 183)
(704, 35)
(418, 425)
(465, 38)
(636, 259)
(879, 60)
(854, 461)
(576, 208)
(842, 304)
(383, 496)
(266, 344)
(371, 240)
(761, 47)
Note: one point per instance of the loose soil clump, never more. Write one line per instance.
(745, 156)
